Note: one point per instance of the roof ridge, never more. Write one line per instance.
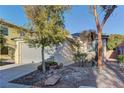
(4, 22)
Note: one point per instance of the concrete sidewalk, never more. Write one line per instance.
(12, 72)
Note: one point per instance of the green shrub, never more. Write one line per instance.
(51, 63)
(79, 56)
(47, 64)
(114, 40)
(120, 58)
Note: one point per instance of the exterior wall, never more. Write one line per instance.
(18, 52)
(111, 54)
(12, 32)
(64, 54)
(24, 54)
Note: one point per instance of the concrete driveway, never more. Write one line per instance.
(8, 73)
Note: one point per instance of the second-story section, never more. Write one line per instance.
(9, 31)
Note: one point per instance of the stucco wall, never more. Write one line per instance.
(24, 54)
(11, 44)
(64, 54)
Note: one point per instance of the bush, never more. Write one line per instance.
(120, 58)
(40, 67)
(47, 64)
(52, 63)
(79, 56)
(114, 41)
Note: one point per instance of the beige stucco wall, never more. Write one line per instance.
(18, 52)
(12, 33)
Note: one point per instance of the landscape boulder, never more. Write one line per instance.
(52, 80)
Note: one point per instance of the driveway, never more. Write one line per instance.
(14, 71)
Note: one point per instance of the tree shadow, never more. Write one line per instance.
(115, 68)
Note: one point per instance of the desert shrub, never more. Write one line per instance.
(120, 58)
(79, 56)
(114, 41)
(51, 63)
(47, 64)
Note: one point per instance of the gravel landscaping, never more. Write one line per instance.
(74, 77)
(70, 77)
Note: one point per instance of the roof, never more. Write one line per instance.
(12, 25)
(75, 34)
(105, 36)
(121, 44)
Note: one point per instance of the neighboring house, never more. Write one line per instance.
(9, 31)
(89, 41)
(16, 50)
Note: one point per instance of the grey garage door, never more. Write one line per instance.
(29, 55)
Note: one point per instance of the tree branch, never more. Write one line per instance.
(107, 15)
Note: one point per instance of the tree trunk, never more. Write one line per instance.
(99, 30)
(100, 49)
(43, 61)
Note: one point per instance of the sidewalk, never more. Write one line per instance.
(8, 73)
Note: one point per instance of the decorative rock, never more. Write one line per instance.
(50, 71)
(52, 80)
(48, 75)
(29, 78)
(60, 65)
(87, 87)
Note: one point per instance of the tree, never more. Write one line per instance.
(114, 41)
(47, 27)
(108, 10)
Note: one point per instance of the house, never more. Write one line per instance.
(21, 53)
(9, 31)
(15, 50)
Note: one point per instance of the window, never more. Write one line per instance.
(4, 30)
(4, 51)
(22, 33)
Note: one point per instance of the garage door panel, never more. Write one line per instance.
(30, 55)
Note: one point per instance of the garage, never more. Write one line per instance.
(30, 55)
(25, 54)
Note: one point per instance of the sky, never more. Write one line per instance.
(77, 19)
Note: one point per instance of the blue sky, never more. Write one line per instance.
(76, 20)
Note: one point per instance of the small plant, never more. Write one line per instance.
(40, 67)
(79, 57)
(48, 64)
(120, 58)
(51, 63)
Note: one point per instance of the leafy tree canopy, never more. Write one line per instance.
(47, 25)
(114, 40)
